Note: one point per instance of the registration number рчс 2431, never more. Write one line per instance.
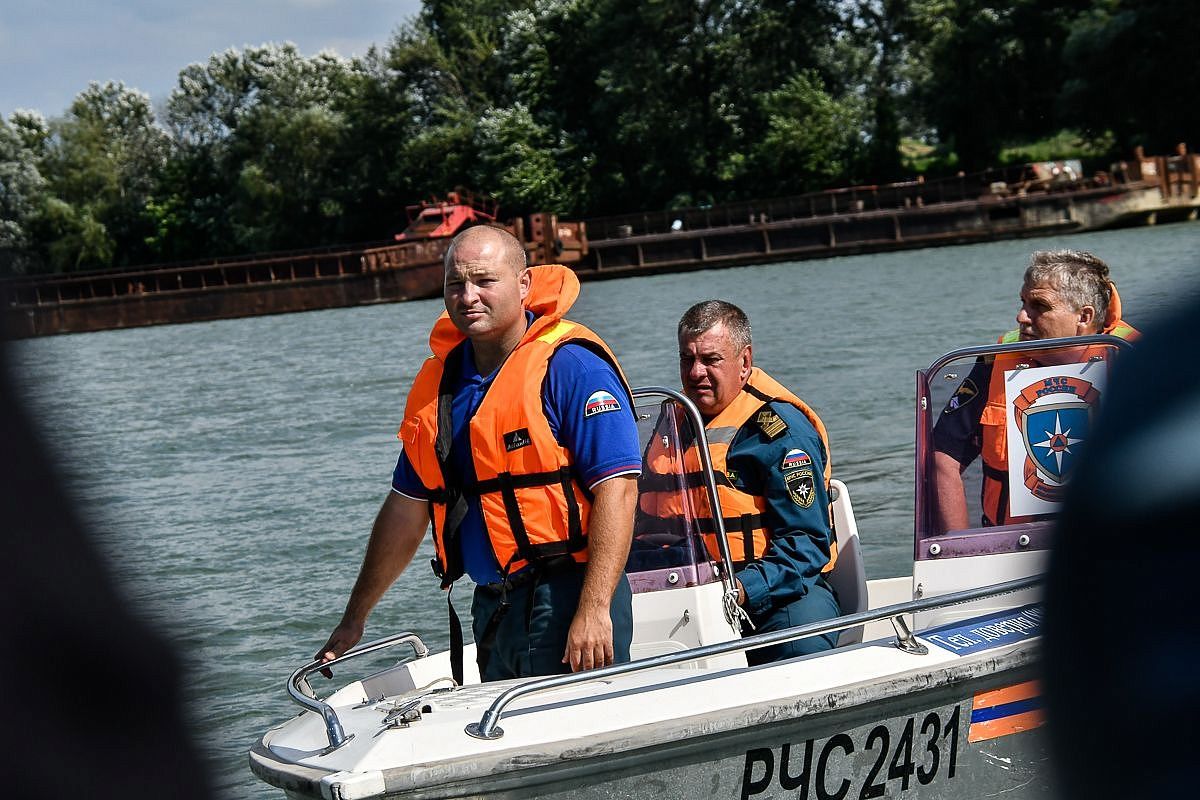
(890, 758)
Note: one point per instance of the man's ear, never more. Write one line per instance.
(747, 361)
(1087, 318)
(526, 280)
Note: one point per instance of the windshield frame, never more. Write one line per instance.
(974, 541)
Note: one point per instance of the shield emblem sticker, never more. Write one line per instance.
(1054, 435)
(1053, 416)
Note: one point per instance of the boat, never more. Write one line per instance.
(932, 691)
(1037, 199)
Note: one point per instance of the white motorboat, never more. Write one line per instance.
(931, 692)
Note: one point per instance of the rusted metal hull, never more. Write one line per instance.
(847, 224)
(795, 239)
(225, 302)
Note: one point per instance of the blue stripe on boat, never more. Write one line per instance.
(1006, 710)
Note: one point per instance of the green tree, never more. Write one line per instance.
(518, 162)
(1132, 70)
(260, 136)
(101, 161)
(22, 191)
(811, 137)
(995, 70)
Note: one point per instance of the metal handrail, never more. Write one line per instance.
(1027, 346)
(488, 728)
(302, 694)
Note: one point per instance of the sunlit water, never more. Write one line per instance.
(232, 469)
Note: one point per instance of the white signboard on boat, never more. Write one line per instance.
(1050, 413)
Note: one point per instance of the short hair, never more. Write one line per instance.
(1081, 278)
(512, 251)
(704, 315)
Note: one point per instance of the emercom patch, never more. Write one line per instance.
(801, 487)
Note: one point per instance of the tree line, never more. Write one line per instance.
(581, 107)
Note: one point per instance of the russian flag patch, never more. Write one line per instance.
(795, 459)
(599, 402)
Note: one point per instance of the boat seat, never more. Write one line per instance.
(849, 577)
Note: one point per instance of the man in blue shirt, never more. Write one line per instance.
(551, 594)
(771, 454)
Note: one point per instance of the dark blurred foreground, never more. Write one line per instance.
(92, 703)
(1122, 625)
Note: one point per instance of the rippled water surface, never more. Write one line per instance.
(232, 469)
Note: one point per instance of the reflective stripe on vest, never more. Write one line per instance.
(993, 423)
(742, 513)
(533, 510)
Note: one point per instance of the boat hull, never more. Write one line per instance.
(952, 732)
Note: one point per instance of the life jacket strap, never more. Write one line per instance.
(654, 482)
(456, 640)
(503, 482)
(507, 484)
(1001, 510)
(451, 496)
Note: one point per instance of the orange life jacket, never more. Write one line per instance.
(994, 425)
(742, 513)
(533, 509)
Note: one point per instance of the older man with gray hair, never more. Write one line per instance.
(1065, 293)
(770, 456)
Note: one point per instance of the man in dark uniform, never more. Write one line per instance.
(770, 452)
(1065, 293)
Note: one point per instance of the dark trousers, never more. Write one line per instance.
(817, 604)
(532, 636)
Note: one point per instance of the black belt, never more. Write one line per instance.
(555, 566)
(501, 588)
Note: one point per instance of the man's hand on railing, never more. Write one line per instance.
(344, 636)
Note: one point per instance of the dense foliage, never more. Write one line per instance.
(582, 107)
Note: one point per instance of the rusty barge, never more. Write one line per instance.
(1034, 200)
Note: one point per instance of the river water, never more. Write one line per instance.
(232, 469)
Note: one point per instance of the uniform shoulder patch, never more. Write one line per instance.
(770, 423)
(966, 392)
(795, 459)
(801, 486)
(599, 402)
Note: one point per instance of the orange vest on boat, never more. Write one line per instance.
(994, 420)
(742, 513)
(533, 509)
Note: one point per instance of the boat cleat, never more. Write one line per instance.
(403, 713)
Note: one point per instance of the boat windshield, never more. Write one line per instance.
(668, 550)
(999, 432)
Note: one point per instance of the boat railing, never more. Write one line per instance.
(488, 726)
(1029, 346)
(301, 692)
(1010, 182)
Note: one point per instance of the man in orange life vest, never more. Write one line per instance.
(1065, 293)
(770, 457)
(519, 444)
